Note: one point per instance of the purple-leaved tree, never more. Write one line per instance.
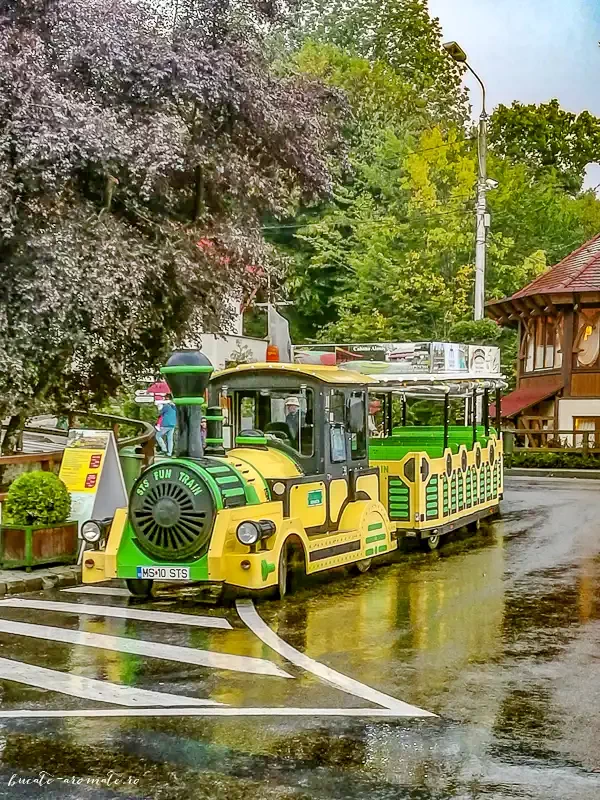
(127, 135)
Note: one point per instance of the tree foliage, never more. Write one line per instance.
(397, 35)
(547, 138)
(127, 135)
(392, 256)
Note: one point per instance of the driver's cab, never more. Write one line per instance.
(316, 415)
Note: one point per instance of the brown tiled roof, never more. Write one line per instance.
(525, 397)
(578, 272)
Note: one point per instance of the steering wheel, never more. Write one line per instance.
(281, 435)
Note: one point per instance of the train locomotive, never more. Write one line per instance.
(288, 481)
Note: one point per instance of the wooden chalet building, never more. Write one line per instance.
(558, 371)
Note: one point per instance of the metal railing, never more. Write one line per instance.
(48, 460)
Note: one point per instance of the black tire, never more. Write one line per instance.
(364, 565)
(140, 587)
(431, 542)
(282, 576)
(291, 567)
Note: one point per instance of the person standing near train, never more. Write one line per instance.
(165, 432)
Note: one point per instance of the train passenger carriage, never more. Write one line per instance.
(304, 468)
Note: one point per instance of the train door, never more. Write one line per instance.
(347, 457)
(336, 458)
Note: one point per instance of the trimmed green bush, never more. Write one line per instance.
(37, 498)
(540, 460)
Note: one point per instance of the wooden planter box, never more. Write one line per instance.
(29, 545)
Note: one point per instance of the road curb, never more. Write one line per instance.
(526, 472)
(56, 578)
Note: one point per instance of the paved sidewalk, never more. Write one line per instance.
(16, 581)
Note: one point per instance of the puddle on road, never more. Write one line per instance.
(499, 634)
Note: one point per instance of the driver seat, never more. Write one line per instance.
(279, 427)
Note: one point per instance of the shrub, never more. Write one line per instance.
(539, 460)
(37, 498)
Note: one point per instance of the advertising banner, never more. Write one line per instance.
(405, 357)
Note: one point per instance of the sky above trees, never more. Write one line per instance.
(530, 51)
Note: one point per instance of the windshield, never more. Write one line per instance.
(285, 415)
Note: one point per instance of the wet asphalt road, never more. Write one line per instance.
(498, 634)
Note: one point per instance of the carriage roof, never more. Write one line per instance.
(323, 374)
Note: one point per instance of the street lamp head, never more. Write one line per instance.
(456, 52)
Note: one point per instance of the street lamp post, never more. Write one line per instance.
(483, 218)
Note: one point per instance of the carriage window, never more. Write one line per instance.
(357, 418)
(289, 417)
(337, 438)
(337, 427)
(338, 408)
(247, 413)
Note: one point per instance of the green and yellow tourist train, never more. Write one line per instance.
(302, 469)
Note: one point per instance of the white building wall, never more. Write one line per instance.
(219, 349)
(569, 409)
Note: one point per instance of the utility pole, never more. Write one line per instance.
(483, 185)
(483, 218)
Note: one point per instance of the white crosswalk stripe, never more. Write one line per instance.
(108, 591)
(162, 617)
(225, 711)
(92, 689)
(142, 702)
(250, 616)
(169, 652)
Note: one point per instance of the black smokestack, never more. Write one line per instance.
(188, 373)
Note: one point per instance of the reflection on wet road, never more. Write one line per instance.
(498, 634)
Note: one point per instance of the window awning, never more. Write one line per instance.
(525, 397)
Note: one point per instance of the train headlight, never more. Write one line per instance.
(91, 531)
(250, 532)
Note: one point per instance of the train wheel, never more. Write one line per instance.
(291, 566)
(282, 578)
(364, 565)
(431, 542)
(140, 588)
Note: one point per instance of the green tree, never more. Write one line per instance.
(399, 34)
(535, 223)
(139, 152)
(547, 138)
(402, 240)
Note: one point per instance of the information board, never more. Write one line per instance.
(92, 473)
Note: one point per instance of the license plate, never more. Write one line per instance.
(164, 573)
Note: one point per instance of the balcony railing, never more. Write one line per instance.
(550, 440)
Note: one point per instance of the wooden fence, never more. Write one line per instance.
(552, 441)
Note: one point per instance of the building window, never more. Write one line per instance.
(529, 347)
(591, 425)
(541, 345)
(587, 344)
(558, 341)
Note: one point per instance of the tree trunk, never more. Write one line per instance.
(198, 194)
(12, 433)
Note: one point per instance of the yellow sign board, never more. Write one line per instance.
(91, 471)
